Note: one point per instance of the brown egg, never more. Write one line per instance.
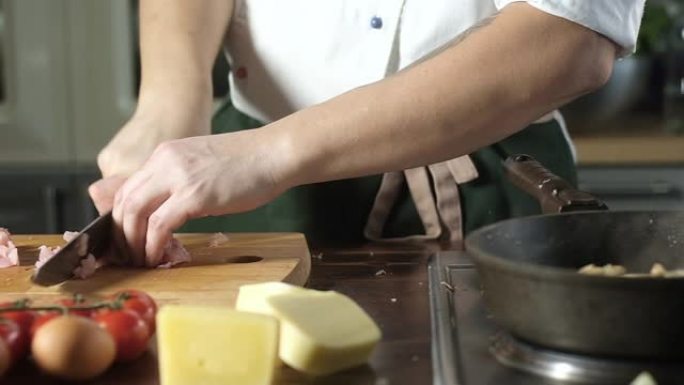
(4, 357)
(73, 348)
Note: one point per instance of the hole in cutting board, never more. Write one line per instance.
(243, 259)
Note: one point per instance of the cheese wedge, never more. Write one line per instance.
(253, 297)
(323, 332)
(213, 345)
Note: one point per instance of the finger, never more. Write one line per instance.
(136, 212)
(118, 215)
(117, 230)
(102, 192)
(141, 197)
(171, 215)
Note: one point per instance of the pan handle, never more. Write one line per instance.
(553, 193)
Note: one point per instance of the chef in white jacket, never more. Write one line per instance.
(350, 120)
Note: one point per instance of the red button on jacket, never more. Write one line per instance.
(241, 73)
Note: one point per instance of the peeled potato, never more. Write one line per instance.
(73, 348)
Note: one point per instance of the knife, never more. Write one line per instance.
(94, 239)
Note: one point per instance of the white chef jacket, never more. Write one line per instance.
(287, 55)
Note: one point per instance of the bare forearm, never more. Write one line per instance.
(179, 41)
(499, 79)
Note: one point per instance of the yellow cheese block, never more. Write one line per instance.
(252, 297)
(323, 332)
(213, 345)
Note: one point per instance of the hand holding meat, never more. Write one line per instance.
(197, 177)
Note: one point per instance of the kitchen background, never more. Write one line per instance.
(69, 76)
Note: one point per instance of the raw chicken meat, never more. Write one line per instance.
(174, 253)
(88, 266)
(45, 253)
(69, 235)
(218, 239)
(83, 241)
(9, 255)
(4, 236)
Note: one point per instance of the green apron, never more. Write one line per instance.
(336, 212)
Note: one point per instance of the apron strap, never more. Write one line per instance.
(445, 213)
(384, 201)
(419, 187)
(462, 169)
(448, 200)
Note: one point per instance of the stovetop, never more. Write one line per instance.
(469, 349)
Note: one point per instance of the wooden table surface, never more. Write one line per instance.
(389, 282)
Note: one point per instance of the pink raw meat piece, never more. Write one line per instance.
(69, 235)
(85, 270)
(4, 236)
(9, 254)
(174, 253)
(217, 239)
(45, 253)
(88, 266)
(83, 241)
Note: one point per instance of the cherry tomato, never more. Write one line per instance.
(131, 334)
(10, 333)
(24, 319)
(140, 303)
(20, 347)
(41, 320)
(71, 302)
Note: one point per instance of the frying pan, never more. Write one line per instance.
(528, 270)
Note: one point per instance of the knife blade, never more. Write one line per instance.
(93, 239)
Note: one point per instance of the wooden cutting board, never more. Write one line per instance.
(220, 264)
